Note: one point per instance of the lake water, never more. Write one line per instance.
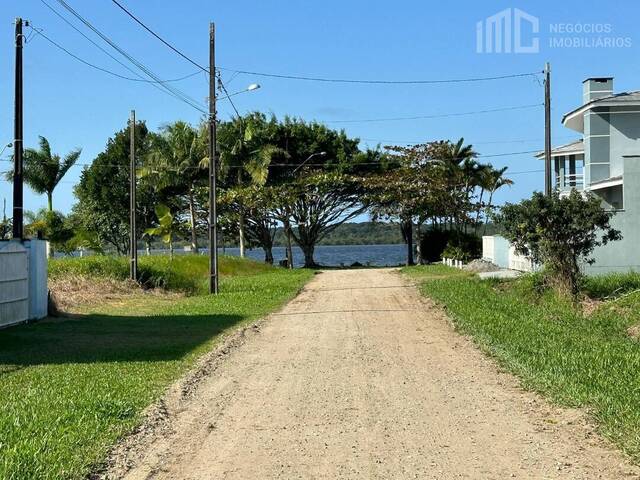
(329, 255)
(337, 255)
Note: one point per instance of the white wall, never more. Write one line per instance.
(23, 281)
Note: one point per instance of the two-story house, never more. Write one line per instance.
(606, 162)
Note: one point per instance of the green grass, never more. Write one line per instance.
(70, 388)
(574, 359)
(186, 273)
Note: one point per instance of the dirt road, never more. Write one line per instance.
(359, 377)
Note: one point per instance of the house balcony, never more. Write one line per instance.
(568, 182)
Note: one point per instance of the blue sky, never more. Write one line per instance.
(76, 106)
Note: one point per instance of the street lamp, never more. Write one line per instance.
(250, 88)
(317, 154)
(8, 145)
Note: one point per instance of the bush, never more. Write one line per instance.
(436, 244)
(559, 232)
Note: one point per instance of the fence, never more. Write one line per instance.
(497, 250)
(23, 281)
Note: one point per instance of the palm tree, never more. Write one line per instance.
(168, 227)
(245, 157)
(458, 161)
(178, 160)
(496, 180)
(44, 170)
(485, 183)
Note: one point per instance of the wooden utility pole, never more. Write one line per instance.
(18, 196)
(133, 243)
(213, 166)
(547, 129)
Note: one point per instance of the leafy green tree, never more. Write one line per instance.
(558, 232)
(52, 225)
(103, 191)
(321, 202)
(43, 170)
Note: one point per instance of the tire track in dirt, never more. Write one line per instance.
(360, 377)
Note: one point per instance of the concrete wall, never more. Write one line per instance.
(14, 283)
(625, 136)
(623, 255)
(23, 281)
(497, 250)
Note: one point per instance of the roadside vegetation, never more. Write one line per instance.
(71, 387)
(282, 182)
(584, 354)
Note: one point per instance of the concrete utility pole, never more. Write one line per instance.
(547, 129)
(18, 197)
(213, 166)
(133, 241)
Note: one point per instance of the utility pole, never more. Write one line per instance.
(133, 243)
(213, 166)
(547, 129)
(18, 200)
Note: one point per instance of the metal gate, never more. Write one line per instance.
(14, 283)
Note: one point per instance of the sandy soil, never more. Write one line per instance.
(359, 377)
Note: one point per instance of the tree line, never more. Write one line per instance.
(301, 178)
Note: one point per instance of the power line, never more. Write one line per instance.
(115, 165)
(139, 22)
(382, 82)
(323, 79)
(103, 50)
(115, 74)
(496, 142)
(169, 89)
(443, 115)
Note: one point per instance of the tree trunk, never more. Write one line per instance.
(477, 222)
(171, 249)
(241, 229)
(147, 247)
(287, 228)
(407, 232)
(419, 243)
(488, 210)
(309, 262)
(50, 201)
(268, 254)
(192, 215)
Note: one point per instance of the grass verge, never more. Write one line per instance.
(70, 388)
(576, 359)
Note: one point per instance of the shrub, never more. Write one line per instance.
(436, 244)
(559, 232)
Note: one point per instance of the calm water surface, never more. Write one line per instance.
(337, 255)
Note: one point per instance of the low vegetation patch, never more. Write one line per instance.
(70, 388)
(577, 359)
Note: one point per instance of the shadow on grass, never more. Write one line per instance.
(108, 338)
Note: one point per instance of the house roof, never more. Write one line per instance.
(573, 148)
(575, 118)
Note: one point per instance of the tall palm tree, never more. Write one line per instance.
(458, 161)
(245, 155)
(44, 170)
(497, 180)
(177, 160)
(485, 183)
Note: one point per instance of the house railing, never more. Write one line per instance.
(566, 182)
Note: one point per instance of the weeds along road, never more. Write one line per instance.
(359, 377)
